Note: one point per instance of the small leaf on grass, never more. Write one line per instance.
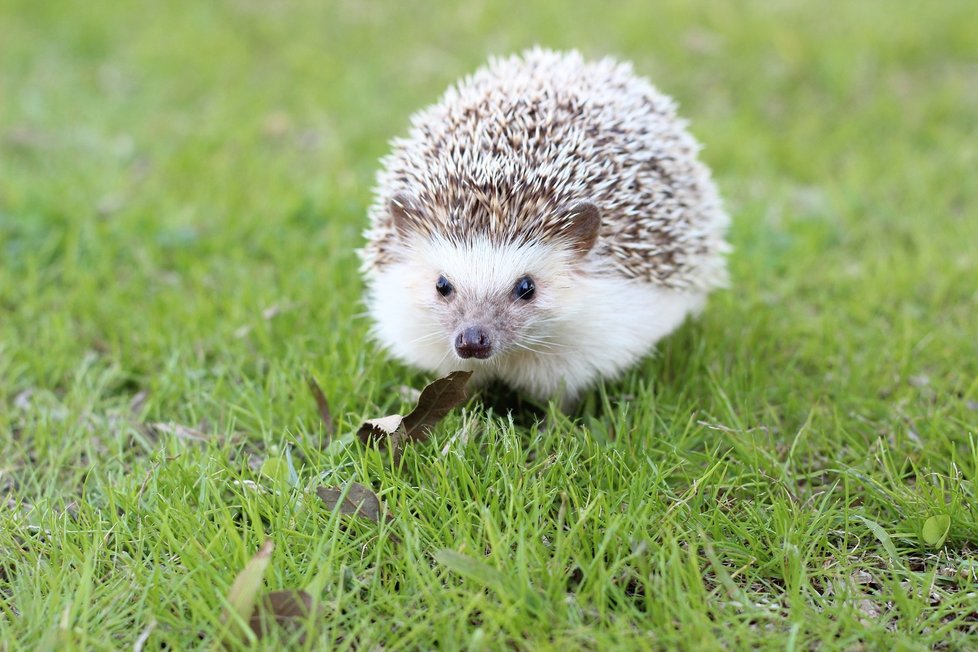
(435, 401)
(244, 590)
(287, 608)
(322, 405)
(380, 429)
(357, 501)
(935, 530)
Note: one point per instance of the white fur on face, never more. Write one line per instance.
(580, 326)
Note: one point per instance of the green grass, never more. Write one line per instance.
(167, 176)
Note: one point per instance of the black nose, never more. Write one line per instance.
(473, 343)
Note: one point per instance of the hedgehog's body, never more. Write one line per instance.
(545, 223)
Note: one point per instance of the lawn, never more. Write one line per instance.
(182, 191)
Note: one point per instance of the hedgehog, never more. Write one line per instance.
(544, 224)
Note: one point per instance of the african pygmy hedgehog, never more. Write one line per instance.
(544, 224)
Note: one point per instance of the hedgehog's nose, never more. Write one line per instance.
(473, 343)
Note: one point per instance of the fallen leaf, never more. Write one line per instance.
(436, 400)
(935, 530)
(380, 429)
(244, 590)
(287, 608)
(357, 501)
(322, 405)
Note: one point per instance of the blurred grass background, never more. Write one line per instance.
(183, 187)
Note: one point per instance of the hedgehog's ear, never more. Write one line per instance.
(406, 214)
(582, 222)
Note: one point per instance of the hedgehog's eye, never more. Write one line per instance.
(524, 289)
(443, 286)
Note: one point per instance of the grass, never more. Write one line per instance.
(181, 196)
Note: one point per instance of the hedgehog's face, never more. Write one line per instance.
(485, 301)
(450, 304)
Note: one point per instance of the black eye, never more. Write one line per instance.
(443, 286)
(525, 289)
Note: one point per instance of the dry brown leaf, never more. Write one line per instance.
(435, 401)
(322, 405)
(381, 429)
(287, 608)
(358, 501)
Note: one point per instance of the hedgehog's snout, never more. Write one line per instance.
(473, 342)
